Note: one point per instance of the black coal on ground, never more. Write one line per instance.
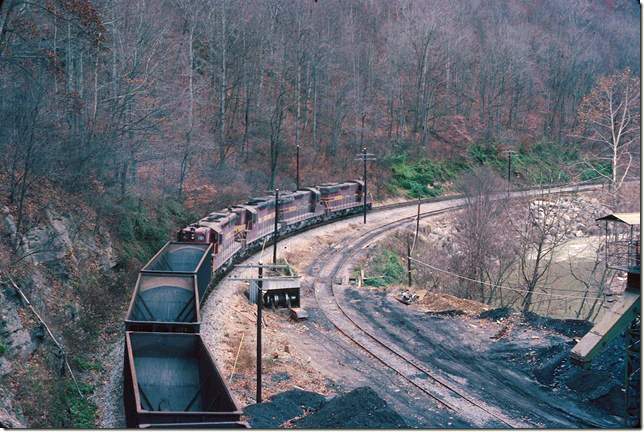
(359, 409)
(283, 407)
(601, 384)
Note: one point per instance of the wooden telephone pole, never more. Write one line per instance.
(364, 157)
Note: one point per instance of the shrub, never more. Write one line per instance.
(386, 268)
(143, 233)
(82, 410)
(423, 178)
(596, 169)
(83, 365)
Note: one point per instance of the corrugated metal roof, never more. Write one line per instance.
(627, 218)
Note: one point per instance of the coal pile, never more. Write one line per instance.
(601, 384)
(282, 407)
(359, 409)
(566, 327)
(497, 314)
(449, 313)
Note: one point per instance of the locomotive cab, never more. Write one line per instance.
(360, 191)
(195, 233)
(246, 219)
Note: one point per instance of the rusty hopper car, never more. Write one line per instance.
(164, 302)
(184, 258)
(171, 378)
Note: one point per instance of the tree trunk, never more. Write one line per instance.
(222, 91)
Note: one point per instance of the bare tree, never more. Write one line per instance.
(487, 255)
(610, 118)
(539, 234)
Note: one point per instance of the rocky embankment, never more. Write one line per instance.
(46, 262)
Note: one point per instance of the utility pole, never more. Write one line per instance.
(408, 263)
(417, 223)
(275, 232)
(364, 201)
(364, 157)
(297, 167)
(509, 153)
(260, 300)
(256, 294)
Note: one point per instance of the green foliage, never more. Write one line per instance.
(423, 178)
(545, 162)
(3, 349)
(534, 163)
(596, 169)
(539, 162)
(484, 154)
(143, 233)
(386, 267)
(83, 365)
(82, 410)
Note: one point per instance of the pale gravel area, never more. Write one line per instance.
(109, 398)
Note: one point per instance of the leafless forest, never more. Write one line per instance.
(196, 98)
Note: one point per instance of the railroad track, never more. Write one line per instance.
(409, 369)
(325, 272)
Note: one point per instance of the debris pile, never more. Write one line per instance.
(441, 302)
(408, 297)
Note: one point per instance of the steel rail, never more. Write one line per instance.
(515, 193)
(364, 239)
(345, 255)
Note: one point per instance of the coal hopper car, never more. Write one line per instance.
(184, 258)
(170, 378)
(164, 302)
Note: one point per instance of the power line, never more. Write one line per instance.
(503, 286)
(477, 281)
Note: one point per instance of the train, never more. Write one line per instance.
(170, 379)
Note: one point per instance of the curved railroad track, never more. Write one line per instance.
(409, 369)
(326, 269)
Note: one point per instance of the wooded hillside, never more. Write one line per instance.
(204, 99)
